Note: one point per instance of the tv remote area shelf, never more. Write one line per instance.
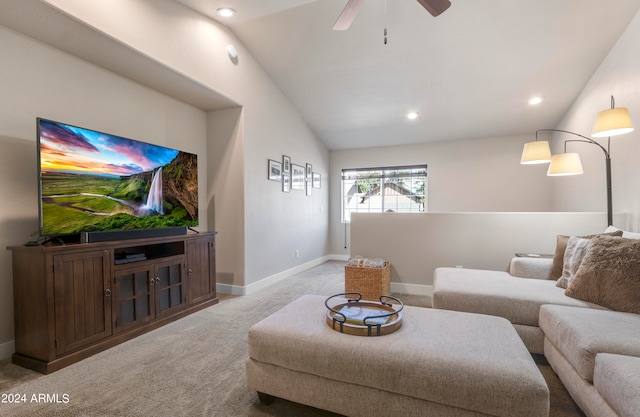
(131, 254)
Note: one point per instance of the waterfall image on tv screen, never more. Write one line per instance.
(92, 181)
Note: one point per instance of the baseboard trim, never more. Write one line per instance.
(397, 287)
(413, 289)
(7, 349)
(229, 289)
(273, 279)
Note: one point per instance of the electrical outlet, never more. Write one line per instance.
(297, 253)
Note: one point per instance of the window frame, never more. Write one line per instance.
(384, 175)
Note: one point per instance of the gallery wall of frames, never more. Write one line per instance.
(293, 176)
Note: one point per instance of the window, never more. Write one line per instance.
(379, 190)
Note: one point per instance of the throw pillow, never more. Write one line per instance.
(576, 249)
(609, 274)
(561, 247)
(630, 235)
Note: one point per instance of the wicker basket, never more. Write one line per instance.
(370, 282)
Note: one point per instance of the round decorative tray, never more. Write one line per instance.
(364, 318)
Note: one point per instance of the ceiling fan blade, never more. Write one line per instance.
(348, 14)
(435, 7)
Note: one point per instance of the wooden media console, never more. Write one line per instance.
(72, 301)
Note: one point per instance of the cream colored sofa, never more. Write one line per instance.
(596, 354)
(516, 295)
(595, 351)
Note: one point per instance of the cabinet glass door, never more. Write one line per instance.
(170, 291)
(134, 297)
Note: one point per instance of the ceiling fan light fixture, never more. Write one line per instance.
(435, 7)
(348, 15)
(351, 10)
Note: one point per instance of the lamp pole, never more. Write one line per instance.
(609, 203)
(607, 164)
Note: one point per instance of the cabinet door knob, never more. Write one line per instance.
(157, 280)
(152, 281)
(190, 271)
(107, 292)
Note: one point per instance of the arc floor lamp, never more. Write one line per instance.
(610, 122)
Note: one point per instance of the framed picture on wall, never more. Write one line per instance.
(316, 180)
(297, 177)
(286, 182)
(309, 171)
(275, 170)
(286, 164)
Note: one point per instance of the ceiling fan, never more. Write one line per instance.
(350, 11)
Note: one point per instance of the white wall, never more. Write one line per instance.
(275, 224)
(38, 81)
(416, 244)
(226, 182)
(260, 226)
(479, 175)
(618, 75)
(483, 175)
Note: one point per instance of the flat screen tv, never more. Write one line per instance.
(92, 182)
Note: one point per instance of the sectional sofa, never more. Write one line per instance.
(586, 321)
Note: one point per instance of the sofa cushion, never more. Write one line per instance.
(530, 267)
(625, 233)
(561, 247)
(576, 249)
(609, 274)
(497, 293)
(579, 334)
(617, 379)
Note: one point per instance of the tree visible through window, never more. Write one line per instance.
(388, 189)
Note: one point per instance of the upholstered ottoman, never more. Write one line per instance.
(439, 363)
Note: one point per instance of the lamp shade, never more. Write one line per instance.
(612, 122)
(537, 152)
(565, 164)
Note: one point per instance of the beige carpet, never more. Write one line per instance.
(192, 367)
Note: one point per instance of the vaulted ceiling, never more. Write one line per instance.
(469, 72)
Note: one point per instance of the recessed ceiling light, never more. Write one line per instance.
(225, 12)
(535, 100)
(412, 115)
